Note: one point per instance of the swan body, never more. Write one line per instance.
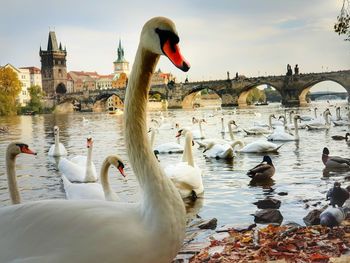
(199, 134)
(334, 162)
(260, 146)
(168, 147)
(58, 148)
(151, 231)
(319, 125)
(280, 135)
(95, 191)
(186, 176)
(219, 151)
(262, 171)
(79, 168)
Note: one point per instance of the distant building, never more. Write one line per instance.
(120, 81)
(82, 80)
(121, 65)
(53, 67)
(104, 82)
(160, 78)
(28, 76)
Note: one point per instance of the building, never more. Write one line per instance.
(53, 67)
(28, 76)
(160, 78)
(121, 65)
(83, 80)
(104, 82)
(120, 81)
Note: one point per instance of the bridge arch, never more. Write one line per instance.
(243, 94)
(189, 98)
(303, 100)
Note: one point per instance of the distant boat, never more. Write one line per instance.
(261, 103)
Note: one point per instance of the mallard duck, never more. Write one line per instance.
(262, 171)
(334, 162)
(339, 137)
(337, 195)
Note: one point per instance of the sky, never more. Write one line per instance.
(251, 37)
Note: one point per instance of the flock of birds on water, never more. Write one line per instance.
(94, 225)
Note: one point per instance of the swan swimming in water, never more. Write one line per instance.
(95, 191)
(79, 168)
(100, 231)
(58, 148)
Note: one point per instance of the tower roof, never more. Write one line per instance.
(52, 42)
(120, 53)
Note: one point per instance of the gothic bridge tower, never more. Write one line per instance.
(53, 67)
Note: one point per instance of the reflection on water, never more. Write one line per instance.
(229, 192)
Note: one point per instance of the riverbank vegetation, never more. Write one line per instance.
(10, 87)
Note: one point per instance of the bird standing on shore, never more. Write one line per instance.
(337, 195)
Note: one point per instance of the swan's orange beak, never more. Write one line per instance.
(27, 151)
(174, 54)
(121, 170)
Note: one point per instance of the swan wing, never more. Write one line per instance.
(220, 151)
(78, 191)
(169, 147)
(73, 172)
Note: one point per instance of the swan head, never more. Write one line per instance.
(297, 117)
(118, 163)
(232, 122)
(89, 142)
(56, 130)
(16, 148)
(194, 120)
(160, 37)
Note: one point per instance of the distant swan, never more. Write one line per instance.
(13, 149)
(95, 191)
(167, 147)
(186, 176)
(79, 168)
(280, 135)
(99, 231)
(57, 149)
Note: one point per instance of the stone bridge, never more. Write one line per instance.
(232, 92)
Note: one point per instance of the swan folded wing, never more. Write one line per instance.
(182, 173)
(170, 147)
(79, 191)
(72, 171)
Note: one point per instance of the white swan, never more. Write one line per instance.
(186, 176)
(206, 142)
(13, 149)
(260, 146)
(280, 135)
(57, 149)
(319, 125)
(152, 231)
(95, 191)
(167, 147)
(199, 134)
(79, 168)
(259, 130)
(219, 151)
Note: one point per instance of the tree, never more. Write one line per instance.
(35, 104)
(342, 26)
(10, 87)
(272, 95)
(256, 95)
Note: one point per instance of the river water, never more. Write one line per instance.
(228, 192)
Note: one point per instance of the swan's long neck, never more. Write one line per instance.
(187, 155)
(270, 121)
(238, 142)
(88, 174)
(162, 206)
(231, 132)
(11, 178)
(296, 135)
(57, 143)
(222, 125)
(105, 180)
(200, 128)
(153, 135)
(315, 111)
(326, 117)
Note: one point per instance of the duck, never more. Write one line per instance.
(186, 175)
(263, 171)
(340, 137)
(58, 148)
(95, 191)
(152, 230)
(79, 168)
(12, 150)
(334, 162)
(167, 147)
(332, 216)
(337, 195)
